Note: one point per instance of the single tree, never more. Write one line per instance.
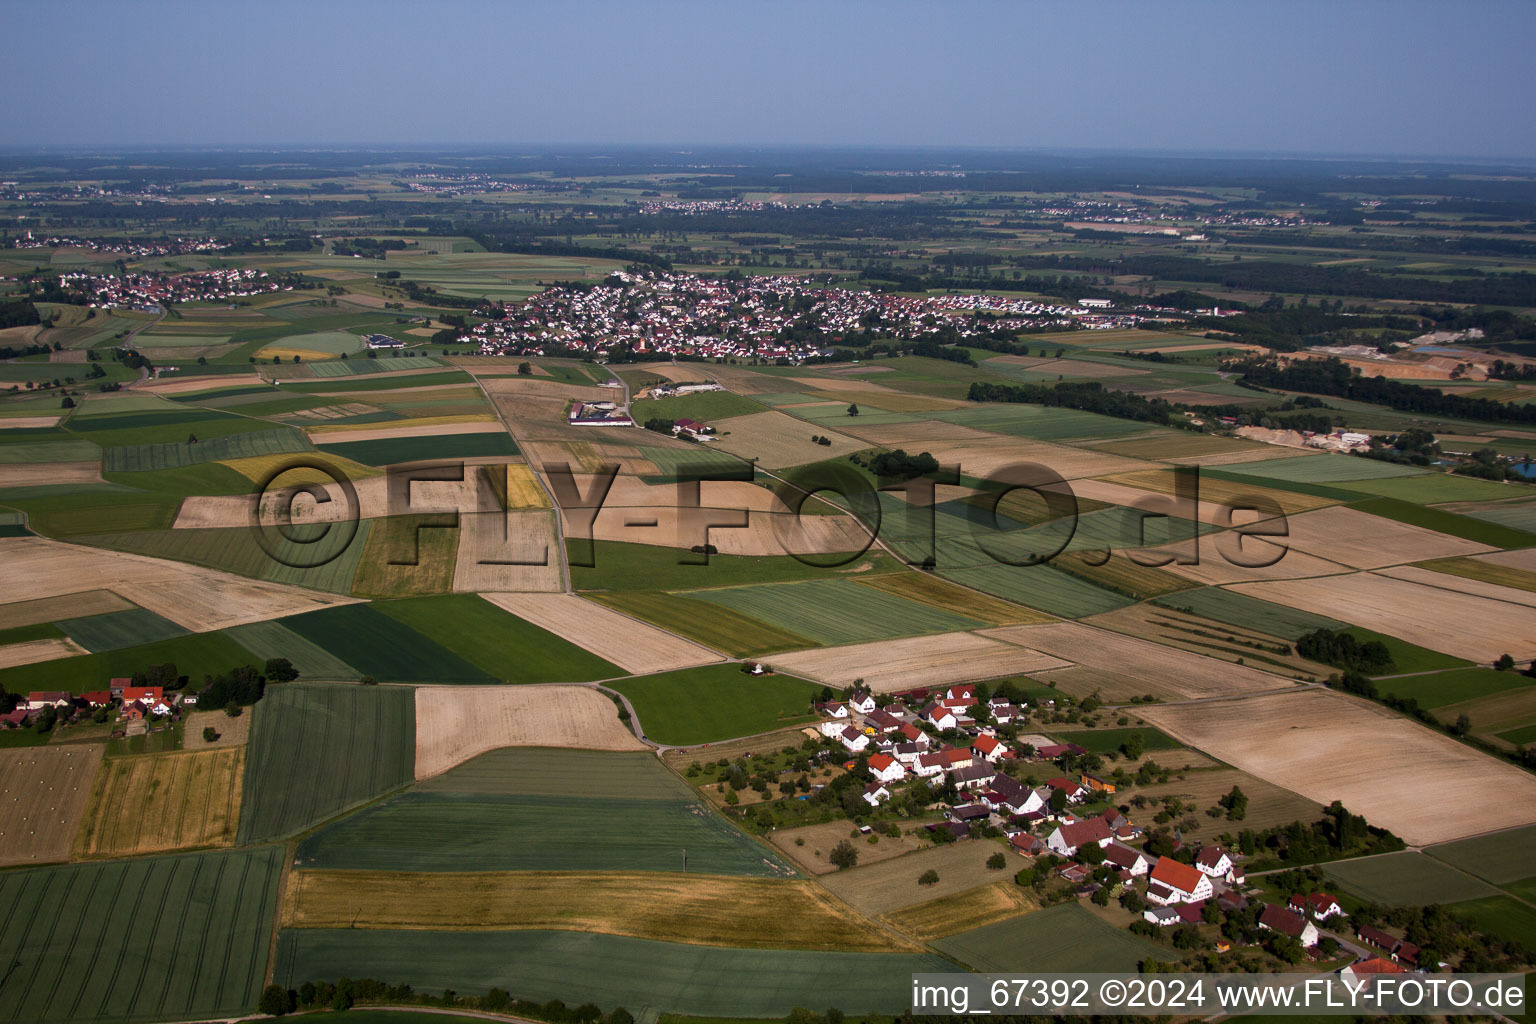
(997, 861)
(275, 1001)
(853, 410)
(210, 734)
(525, 369)
(844, 855)
(929, 877)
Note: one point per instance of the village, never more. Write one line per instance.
(134, 708)
(961, 740)
(152, 291)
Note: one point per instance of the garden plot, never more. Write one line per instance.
(1364, 541)
(455, 723)
(634, 646)
(929, 661)
(1139, 665)
(1462, 625)
(1329, 747)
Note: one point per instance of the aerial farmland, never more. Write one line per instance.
(560, 588)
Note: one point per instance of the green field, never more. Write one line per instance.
(1323, 469)
(1500, 858)
(1407, 657)
(383, 383)
(236, 549)
(194, 655)
(1103, 741)
(271, 639)
(497, 642)
(835, 611)
(331, 342)
(1040, 586)
(168, 429)
(59, 448)
(390, 450)
(1441, 688)
(265, 440)
(562, 772)
(620, 566)
(1060, 938)
(155, 938)
(1516, 516)
(715, 702)
(347, 367)
(1249, 612)
(457, 828)
(1464, 527)
(706, 407)
(1038, 422)
(608, 970)
(716, 626)
(116, 630)
(1432, 488)
(1503, 916)
(1521, 736)
(380, 646)
(317, 750)
(1406, 879)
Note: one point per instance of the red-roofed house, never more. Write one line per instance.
(989, 747)
(1075, 793)
(145, 695)
(1171, 881)
(875, 794)
(1366, 971)
(1026, 844)
(39, 699)
(929, 765)
(957, 757)
(1069, 838)
(886, 768)
(1288, 922)
(16, 718)
(1127, 858)
(964, 691)
(1214, 861)
(939, 717)
(1319, 904)
(98, 698)
(912, 734)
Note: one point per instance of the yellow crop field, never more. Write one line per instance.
(155, 802)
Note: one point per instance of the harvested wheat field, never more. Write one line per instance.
(507, 551)
(155, 802)
(700, 909)
(921, 432)
(1458, 624)
(762, 534)
(1365, 541)
(65, 606)
(1205, 637)
(1124, 663)
(1217, 567)
(31, 652)
(892, 884)
(1461, 584)
(195, 598)
(523, 490)
(983, 458)
(889, 665)
(1327, 747)
(456, 723)
(1522, 559)
(43, 794)
(185, 385)
(38, 474)
(466, 424)
(776, 440)
(964, 910)
(28, 422)
(951, 597)
(634, 646)
(1221, 495)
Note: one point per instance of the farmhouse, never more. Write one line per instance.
(1319, 904)
(1128, 859)
(1172, 882)
(928, 765)
(862, 702)
(880, 723)
(1061, 784)
(988, 747)
(598, 414)
(940, 717)
(1067, 839)
(886, 768)
(15, 718)
(1026, 844)
(1215, 862)
(1288, 922)
(693, 429)
(853, 739)
(1007, 795)
(974, 776)
(876, 794)
(39, 699)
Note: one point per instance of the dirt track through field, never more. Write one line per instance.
(456, 723)
(635, 647)
(1422, 785)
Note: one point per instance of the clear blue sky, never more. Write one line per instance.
(1451, 78)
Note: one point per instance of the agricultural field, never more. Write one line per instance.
(271, 639)
(1296, 740)
(154, 803)
(1404, 879)
(43, 796)
(316, 750)
(1061, 938)
(384, 647)
(917, 661)
(505, 647)
(714, 702)
(714, 910)
(1235, 609)
(133, 937)
(716, 627)
(1485, 571)
(1499, 857)
(709, 981)
(835, 611)
(1504, 916)
(457, 723)
(1042, 587)
(891, 885)
(948, 597)
(963, 911)
(1269, 805)
(195, 655)
(630, 644)
(487, 442)
(116, 630)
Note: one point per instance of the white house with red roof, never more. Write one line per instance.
(1172, 881)
(1288, 922)
(1215, 862)
(929, 765)
(876, 794)
(862, 701)
(1067, 839)
(1320, 905)
(940, 717)
(989, 748)
(853, 739)
(886, 768)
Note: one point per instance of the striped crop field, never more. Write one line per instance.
(158, 938)
(836, 611)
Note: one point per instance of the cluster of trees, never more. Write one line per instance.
(344, 993)
(18, 313)
(1333, 377)
(244, 685)
(659, 425)
(949, 353)
(1342, 650)
(898, 465)
(1088, 396)
(1337, 834)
